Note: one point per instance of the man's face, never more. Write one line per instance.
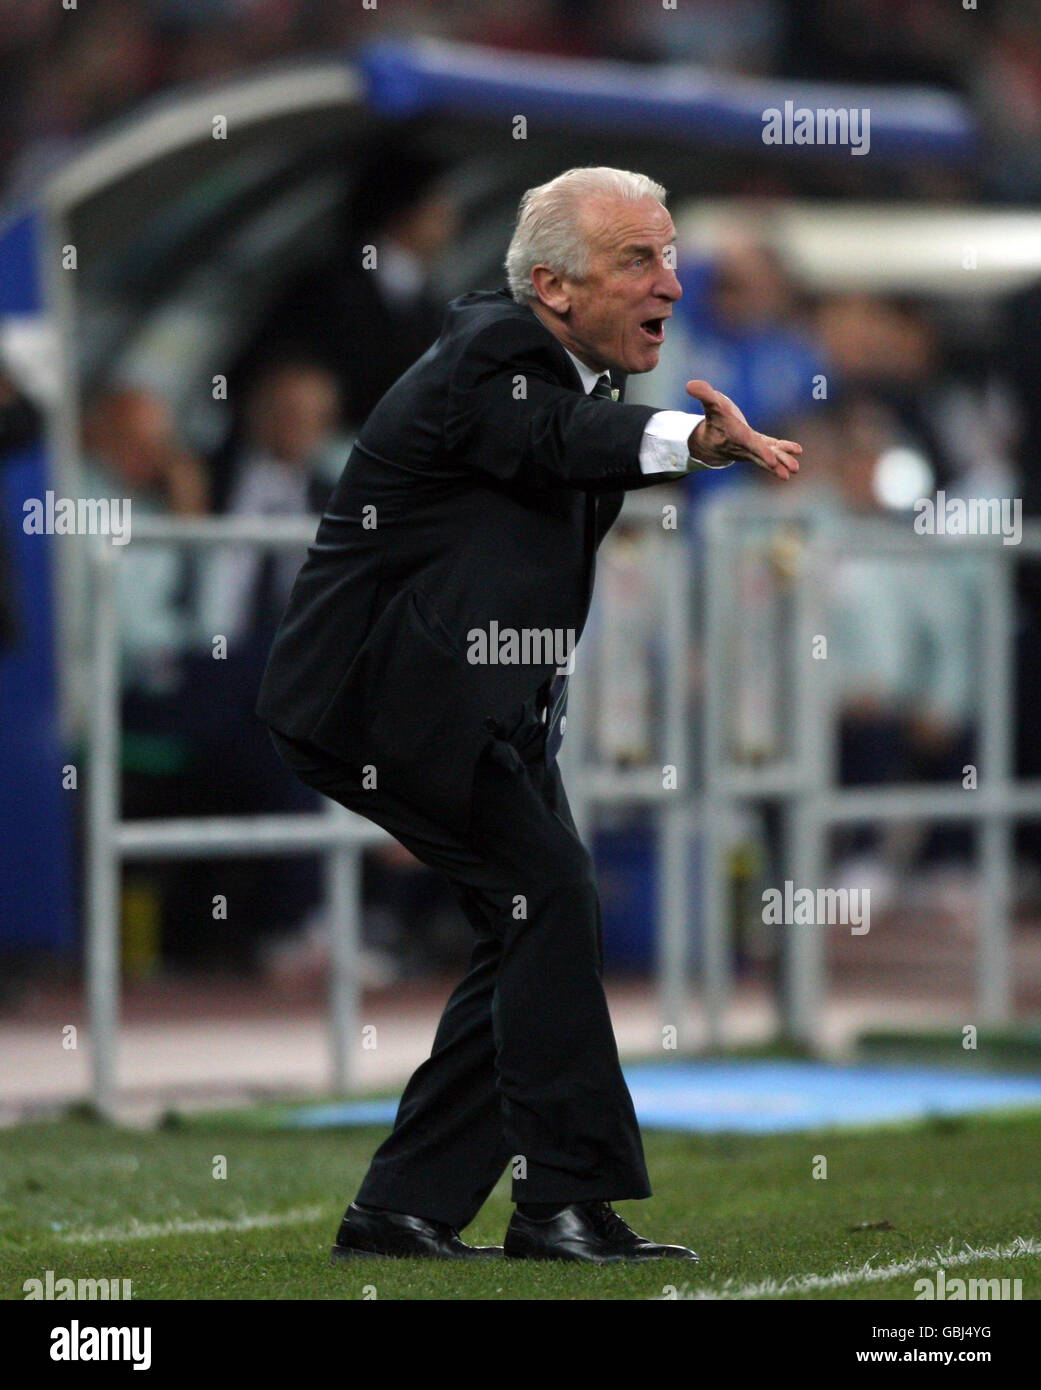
(614, 317)
(293, 414)
(133, 433)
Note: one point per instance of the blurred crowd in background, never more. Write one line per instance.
(65, 72)
(906, 378)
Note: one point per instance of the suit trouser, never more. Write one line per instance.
(524, 1069)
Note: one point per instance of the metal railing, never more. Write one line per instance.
(338, 834)
(805, 783)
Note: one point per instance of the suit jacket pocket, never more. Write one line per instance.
(409, 708)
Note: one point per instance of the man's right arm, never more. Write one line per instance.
(667, 440)
(509, 415)
(724, 436)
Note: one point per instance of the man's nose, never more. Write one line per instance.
(668, 286)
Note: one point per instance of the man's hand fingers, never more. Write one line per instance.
(725, 433)
(778, 456)
(783, 464)
(703, 392)
(775, 456)
(788, 451)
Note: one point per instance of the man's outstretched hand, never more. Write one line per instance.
(725, 435)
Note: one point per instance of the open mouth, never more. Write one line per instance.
(654, 329)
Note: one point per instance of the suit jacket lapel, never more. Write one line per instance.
(592, 499)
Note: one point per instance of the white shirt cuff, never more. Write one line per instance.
(663, 448)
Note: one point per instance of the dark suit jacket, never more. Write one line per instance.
(477, 492)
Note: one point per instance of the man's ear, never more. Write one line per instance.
(550, 289)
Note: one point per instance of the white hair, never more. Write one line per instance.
(549, 227)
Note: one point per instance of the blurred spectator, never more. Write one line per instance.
(626, 639)
(565, 28)
(886, 41)
(886, 348)
(1006, 82)
(754, 343)
(742, 326)
(742, 322)
(20, 426)
(630, 592)
(1022, 353)
(20, 420)
(70, 72)
(730, 35)
(64, 73)
(368, 312)
(291, 412)
(188, 719)
(903, 649)
(960, 415)
(133, 451)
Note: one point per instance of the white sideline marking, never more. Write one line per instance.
(203, 1226)
(869, 1273)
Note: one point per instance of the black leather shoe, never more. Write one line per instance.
(591, 1232)
(366, 1231)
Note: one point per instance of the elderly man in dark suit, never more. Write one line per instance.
(467, 518)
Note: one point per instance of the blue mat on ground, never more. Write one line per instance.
(767, 1097)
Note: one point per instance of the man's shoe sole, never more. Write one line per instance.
(340, 1253)
(601, 1260)
(596, 1259)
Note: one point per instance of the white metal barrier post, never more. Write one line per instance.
(806, 785)
(103, 811)
(995, 836)
(674, 811)
(336, 833)
(720, 605)
(802, 945)
(590, 785)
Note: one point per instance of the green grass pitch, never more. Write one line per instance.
(86, 1200)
